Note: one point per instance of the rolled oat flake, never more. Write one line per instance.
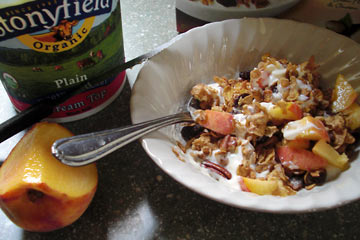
(48, 47)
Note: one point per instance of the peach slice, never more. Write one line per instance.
(343, 95)
(261, 187)
(243, 187)
(327, 152)
(297, 158)
(37, 192)
(291, 111)
(220, 122)
(299, 143)
(306, 128)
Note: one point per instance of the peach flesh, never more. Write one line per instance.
(37, 192)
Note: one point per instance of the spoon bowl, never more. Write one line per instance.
(87, 148)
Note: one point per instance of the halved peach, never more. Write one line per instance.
(38, 192)
(296, 158)
(220, 122)
(306, 128)
(343, 94)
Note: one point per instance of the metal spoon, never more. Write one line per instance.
(87, 148)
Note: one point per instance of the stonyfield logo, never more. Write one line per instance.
(55, 19)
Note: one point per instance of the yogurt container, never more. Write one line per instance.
(49, 47)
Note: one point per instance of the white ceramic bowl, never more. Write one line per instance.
(223, 48)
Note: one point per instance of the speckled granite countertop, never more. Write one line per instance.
(136, 200)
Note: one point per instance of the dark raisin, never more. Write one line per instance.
(244, 95)
(245, 75)
(194, 103)
(296, 182)
(236, 101)
(291, 173)
(237, 98)
(189, 132)
(274, 89)
(317, 177)
(261, 140)
(228, 3)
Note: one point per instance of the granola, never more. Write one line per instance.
(271, 130)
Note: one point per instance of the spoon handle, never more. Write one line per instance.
(84, 149)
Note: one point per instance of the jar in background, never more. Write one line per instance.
(194, 13)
